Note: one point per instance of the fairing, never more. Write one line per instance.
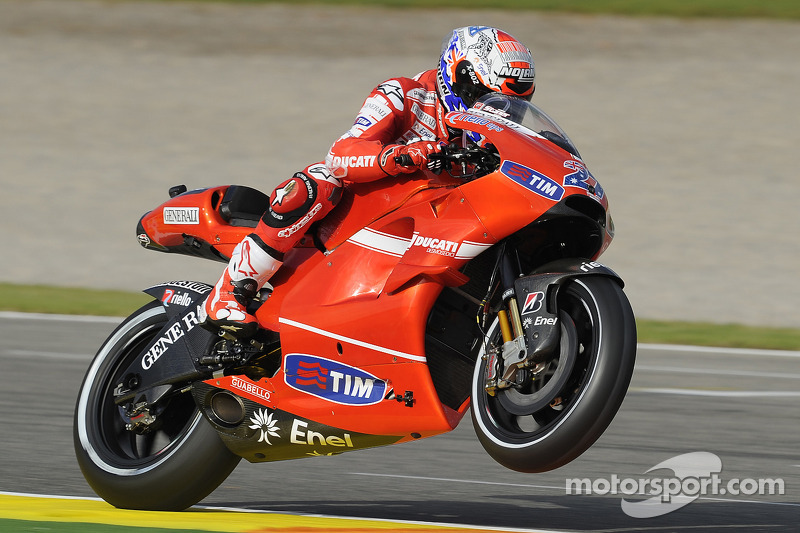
(354, 313)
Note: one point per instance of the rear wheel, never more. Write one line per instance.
(548, 421)
(172, 465)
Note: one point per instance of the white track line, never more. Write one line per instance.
(714, 372)
(26, 354)
(719, 351)
(12, 315)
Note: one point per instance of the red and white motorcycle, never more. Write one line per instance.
(414, 300)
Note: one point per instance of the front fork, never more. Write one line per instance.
(506, 361)
(531, 336)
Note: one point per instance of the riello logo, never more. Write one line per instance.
(332, 381)
(171, 297)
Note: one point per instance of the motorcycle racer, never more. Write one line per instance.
(399, 126)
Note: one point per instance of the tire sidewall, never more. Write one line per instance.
(192, 466)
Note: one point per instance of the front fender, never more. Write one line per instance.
(537, 296)
(573, 267)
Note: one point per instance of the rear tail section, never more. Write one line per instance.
(205, 223)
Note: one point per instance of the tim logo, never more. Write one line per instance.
(332, 381)
(532, 180)
(533, 303)
(582, 178)
(363, 121)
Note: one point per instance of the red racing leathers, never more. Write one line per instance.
(398, 111)
(396, 115)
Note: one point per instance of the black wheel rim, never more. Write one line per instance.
(106, 421)
(525, 413)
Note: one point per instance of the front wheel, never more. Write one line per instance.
(169, 467)
(552, 417)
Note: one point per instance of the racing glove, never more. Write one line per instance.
(406, 158)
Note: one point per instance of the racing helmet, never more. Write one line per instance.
(477, 60)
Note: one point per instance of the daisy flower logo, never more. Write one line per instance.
(266, 423)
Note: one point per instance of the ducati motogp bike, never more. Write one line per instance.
(417, 299)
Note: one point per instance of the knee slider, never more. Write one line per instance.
(290, 201)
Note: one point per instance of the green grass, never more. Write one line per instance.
(727, 335)
(74, 301)
(69, 301)
(782, 9)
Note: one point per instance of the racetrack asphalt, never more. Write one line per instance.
(740, 405)
(688, 124)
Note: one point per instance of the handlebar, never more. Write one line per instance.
(404, 160)
(471, 162)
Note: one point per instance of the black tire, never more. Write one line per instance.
(172, 468)
(598, 351)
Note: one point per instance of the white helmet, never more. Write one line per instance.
(477, 60)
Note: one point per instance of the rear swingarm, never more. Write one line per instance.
(179, 355)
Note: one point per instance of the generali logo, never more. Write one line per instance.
(181, 215)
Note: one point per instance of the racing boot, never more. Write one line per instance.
(250, 267)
